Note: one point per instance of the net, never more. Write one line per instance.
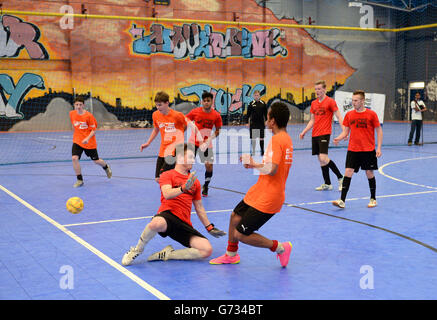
(118, 61)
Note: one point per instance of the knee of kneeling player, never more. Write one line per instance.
(206, 250)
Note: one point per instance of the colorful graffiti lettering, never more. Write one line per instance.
(11, 108)
(16, 35)
(190, 40)
(225, 102)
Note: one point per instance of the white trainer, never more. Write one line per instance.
(108, 172)
(161, 255)
(372, 203)
(130, 256)
(324, 187)
(340, 184)
(339, 203)
(79, 183)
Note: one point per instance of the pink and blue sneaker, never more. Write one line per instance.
(284, 257)
(225, 259)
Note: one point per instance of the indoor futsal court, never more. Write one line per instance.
(119, 55)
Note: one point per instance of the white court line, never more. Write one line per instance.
(403, 181)
(128, 219)
(98, 253)
(230, 210)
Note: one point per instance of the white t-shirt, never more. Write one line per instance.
(416, 115)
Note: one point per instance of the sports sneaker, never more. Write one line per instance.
(409, 143)
(340, 184)
(372, 203)
(79, 183)
(130, 256)
(285, 256)
(161, 255)
(205, 191)
(324, 187)
(225, 259)
(108, 172)
(339, 203)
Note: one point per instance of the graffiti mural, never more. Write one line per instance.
(10, 108)
(16, 35)
(190, 40)
(223, 101)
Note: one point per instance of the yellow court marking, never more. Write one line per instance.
(381, 171)
(98, 253)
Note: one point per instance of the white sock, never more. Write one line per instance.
(145, 237)
(185, 254)
(231, 253)
(280, 249)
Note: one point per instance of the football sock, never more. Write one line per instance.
(334, 169)
(208, 176)
(372, 187)
(145, 237)
(185, 254)
(345, 188)
(325, 173)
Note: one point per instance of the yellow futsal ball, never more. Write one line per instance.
(74, 205)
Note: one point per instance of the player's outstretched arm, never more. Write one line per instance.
(308, 127)
(151, 138)
(201, 213)
(379, 141)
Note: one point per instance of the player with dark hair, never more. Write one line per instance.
(361, 123)
(179, 191)
(84, 140)
(266, 197)
(205, 118)
(322, 110)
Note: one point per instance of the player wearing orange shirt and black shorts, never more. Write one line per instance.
(84, 140)
(205, 118)
(171, 124)
(322, 110)
(361, 123)
(266, 197)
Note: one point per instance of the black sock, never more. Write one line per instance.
(79, 177)
(345, 188)
(372, 187)
(325, 173)
(208, 176)
(334, 169)
(261, 144)
(105, 167)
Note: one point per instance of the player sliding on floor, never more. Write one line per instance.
(267, 196)
(179, 190)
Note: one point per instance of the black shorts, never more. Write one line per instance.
(251, 218)
(256, 133)
(164, 164)
(177, 229)
(366, 160)
(77, 150)
(205, 156)
(321, 144)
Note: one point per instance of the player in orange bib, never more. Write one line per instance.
(322, 110)
(205, 118)
(266, 197)
(171, 124)
(361, 123)
(84, 140)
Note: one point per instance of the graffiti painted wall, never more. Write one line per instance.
(121, 64)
